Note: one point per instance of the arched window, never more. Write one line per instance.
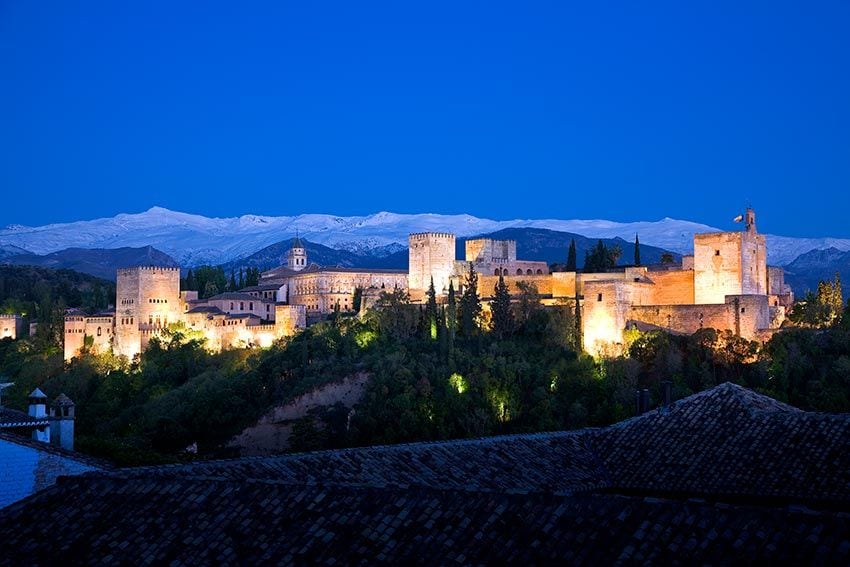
(519, 272)
(528, 272)
(539, 272)
(496, 273)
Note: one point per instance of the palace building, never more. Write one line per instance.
(726, 284)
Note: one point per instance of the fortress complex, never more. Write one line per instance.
(149, 299)
(726, 284)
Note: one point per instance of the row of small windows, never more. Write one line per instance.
(504, 272)
(127, 320)
(155, 300)
(242, 306)
(127, 301)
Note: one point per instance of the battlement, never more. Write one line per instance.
(420, 236)
(137, 269)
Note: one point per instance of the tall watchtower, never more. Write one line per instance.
(730, 263)
(147, 297)
(296, 258)
(432, 255)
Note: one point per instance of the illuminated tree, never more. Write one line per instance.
(431, 311)
(503, 319)
(470, 304)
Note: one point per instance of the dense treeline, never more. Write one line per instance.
(437, 371)
(42, 294)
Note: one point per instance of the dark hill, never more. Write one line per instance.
(100, 262)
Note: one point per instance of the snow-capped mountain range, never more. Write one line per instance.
(194, 239)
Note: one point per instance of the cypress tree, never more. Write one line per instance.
(637, 250)
(190, 281)
(233, 280)
(503, 321)
(431, 311)
(571, 256)
(451, 315)
(470, 304)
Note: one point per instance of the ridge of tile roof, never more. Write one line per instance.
(514, 463)
(14, 418)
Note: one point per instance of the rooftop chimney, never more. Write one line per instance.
(62, 422)
(38, 409)
(644, 400)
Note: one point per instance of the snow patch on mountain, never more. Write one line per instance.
(195, 239)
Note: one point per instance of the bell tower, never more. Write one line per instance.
(296, 258)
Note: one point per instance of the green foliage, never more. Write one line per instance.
(210, 280)
(470, 305)
(431, 315)
(571, 256)
(500, 306)
(601, 258)
(820, 310)
(178, 395)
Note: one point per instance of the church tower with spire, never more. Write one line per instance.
(296, 258)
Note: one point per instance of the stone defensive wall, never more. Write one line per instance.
(674, 287)
(744, 315)
(487, 284)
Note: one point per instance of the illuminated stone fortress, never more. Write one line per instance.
(726, 284)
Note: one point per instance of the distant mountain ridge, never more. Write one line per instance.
(194, 239)
(537, 244)
(101, 263)
(808, 269)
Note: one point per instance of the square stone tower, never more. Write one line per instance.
(147, 298)
(432, 254)
(730, 263)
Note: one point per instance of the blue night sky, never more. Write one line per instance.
(625, 111)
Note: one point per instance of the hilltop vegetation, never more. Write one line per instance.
(436, 372)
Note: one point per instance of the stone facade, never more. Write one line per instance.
(149, 299)
(11, 326)
(432, 255)
(726, 284)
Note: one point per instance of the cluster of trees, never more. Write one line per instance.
(211, 280)
(457, 368)
(43, 295)
(822, 309)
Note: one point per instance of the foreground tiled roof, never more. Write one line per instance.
(731, 441)
(11, 418)
(725, 475)
(190, 522)
(559, 463)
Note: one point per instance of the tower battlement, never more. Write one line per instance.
(422, 236)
